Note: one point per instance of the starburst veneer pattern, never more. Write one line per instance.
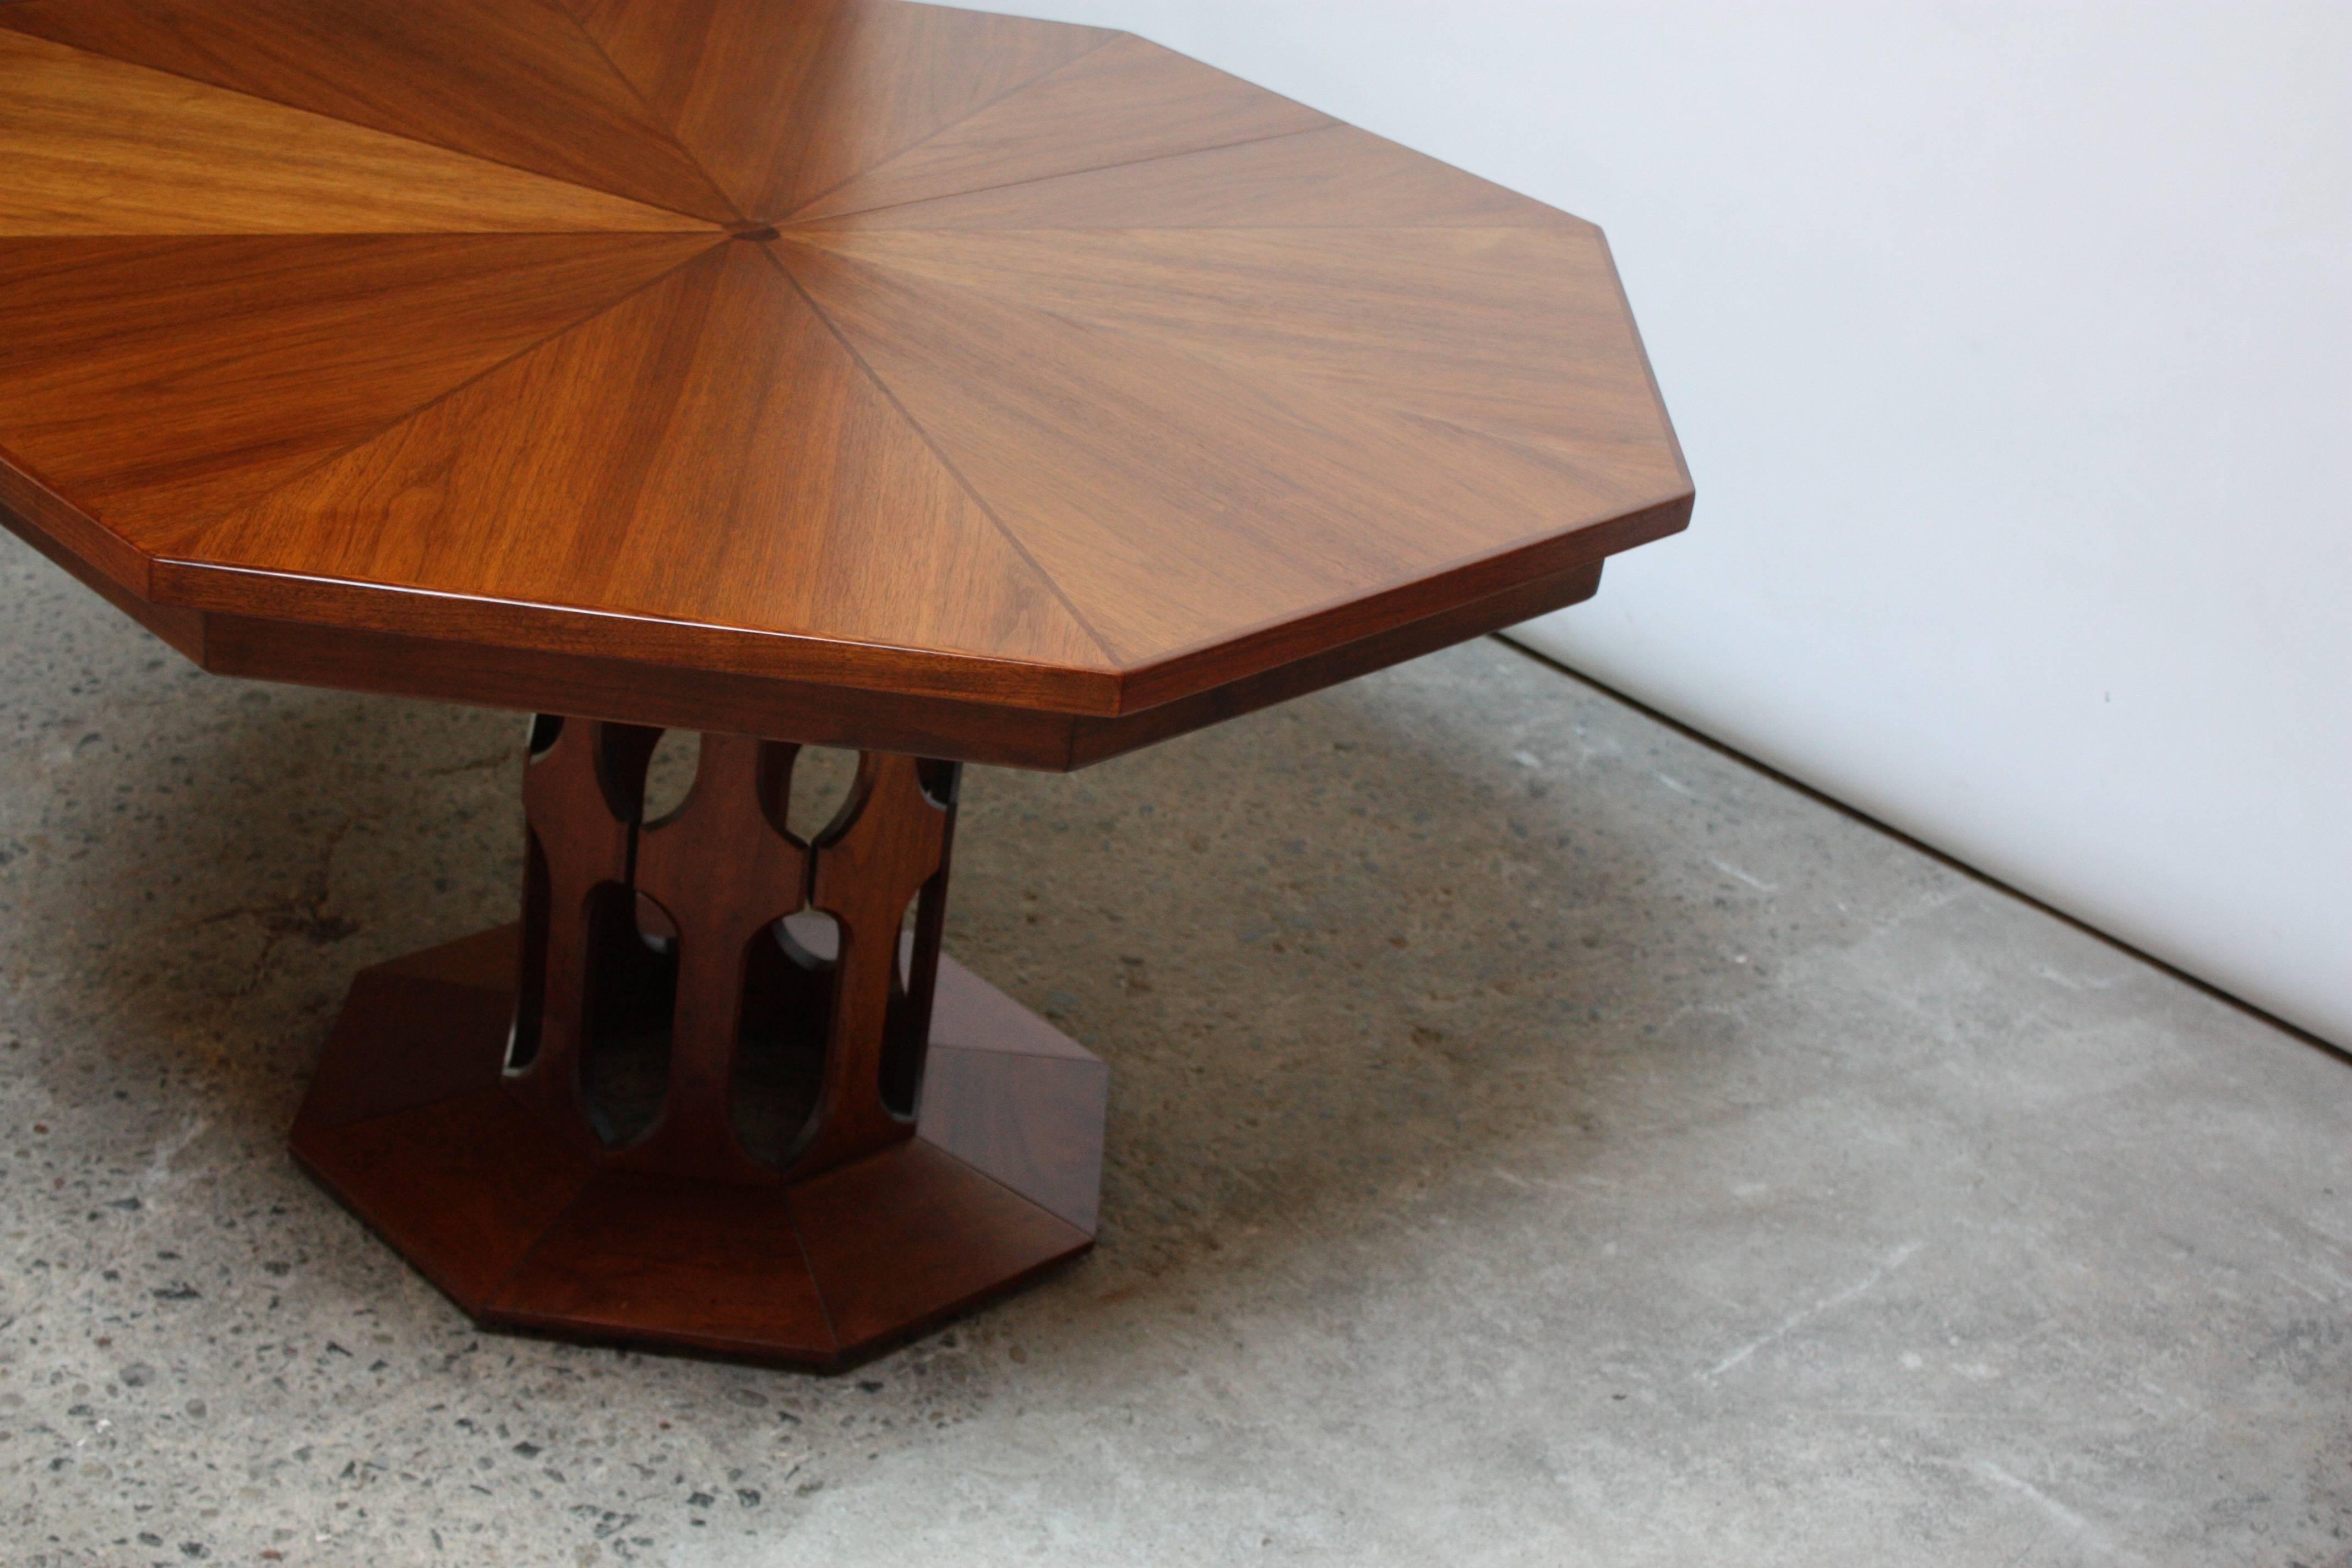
(930, 382)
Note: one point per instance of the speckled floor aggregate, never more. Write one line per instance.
(1537, 1137)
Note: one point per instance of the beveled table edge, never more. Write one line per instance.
(953, 707)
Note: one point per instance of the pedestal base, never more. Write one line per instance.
(414, 1124)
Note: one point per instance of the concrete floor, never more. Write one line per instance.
(1537, 1138)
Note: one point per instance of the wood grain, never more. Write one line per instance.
(98, 557)
(462, 1186)
(912, 1234)
(93, 146)
(405, 1041)
(980, 1107)
(723, 869)
(1179, 500)
(718, 872)
(947, 386)
(644, 1257)
(678, 696)
(516, 83)
(783, 100)
(890, 839)
(1079, 381)
(242, 361)
(1337, 177)
(1123, 103)
(1515, 333)
(830, 715)
(583, 796)
(1176, 698)
(527, 1225)
(718, 457)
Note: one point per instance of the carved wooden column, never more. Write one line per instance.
(455, 1108)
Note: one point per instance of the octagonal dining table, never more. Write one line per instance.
(942, 386)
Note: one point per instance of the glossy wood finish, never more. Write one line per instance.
(260, 357)
(91, 145)
(784, 100)
(720, 872)
(1278, 451)
(943, 382)
(1004, 736)
(514, 84)
(1125, 103)
(949, 1148)
(943, 386)
(1334, 178)
(690, 384)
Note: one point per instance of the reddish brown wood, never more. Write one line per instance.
(939, 384)
(1124, 103)
(376, 1069)
(1305, 522)
(705, 1265)
(462, 1187)
(1047, 372)
(978, 1109)
(1093, 740)
(92, 146)
(678, 400)
(784, 99)
(890, 841)
(723, 871)
(251, 359)
(832, 716)
(97, 559)
(1336, 177)
(910, 1235)
(583, 797)
(585, 682)
(514, 84)
(452, 1108)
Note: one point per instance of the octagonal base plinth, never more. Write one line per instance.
(411, 1122)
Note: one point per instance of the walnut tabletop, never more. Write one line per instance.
(947, 386)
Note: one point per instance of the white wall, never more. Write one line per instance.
(2011, 345)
